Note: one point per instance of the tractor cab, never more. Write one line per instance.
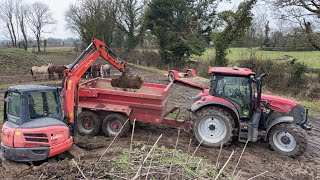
(236, 85)
(33, 127)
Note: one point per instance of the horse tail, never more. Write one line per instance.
(31, 72)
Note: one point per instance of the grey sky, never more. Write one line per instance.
(58, 8)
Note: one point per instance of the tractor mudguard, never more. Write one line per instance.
(196, 105)
(282, 119)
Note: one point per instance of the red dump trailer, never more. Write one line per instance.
(108, 108)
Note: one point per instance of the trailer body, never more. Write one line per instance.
(147, 104)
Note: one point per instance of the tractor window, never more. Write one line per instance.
(43, 104)
(237, 90)
(13, 106)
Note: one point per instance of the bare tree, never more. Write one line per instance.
(92, 18)
(7, 9)
(129, 20)
(21, 14)
(39, 18)
(303, 12)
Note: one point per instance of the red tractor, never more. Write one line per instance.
(234, 106)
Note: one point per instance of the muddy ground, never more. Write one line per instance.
(257, 158)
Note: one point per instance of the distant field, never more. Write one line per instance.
(310, 58)
(53, 49)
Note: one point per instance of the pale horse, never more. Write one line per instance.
(36, 70)
(105, 68)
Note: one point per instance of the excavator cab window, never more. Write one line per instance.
(13, 101)
(43, 104)
(12, 105)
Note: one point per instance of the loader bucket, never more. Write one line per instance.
(127, 81)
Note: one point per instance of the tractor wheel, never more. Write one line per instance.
(89, 123)
(171, 77)
(213, 126)
(112, 124)
(288, 139)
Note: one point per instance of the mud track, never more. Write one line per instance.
(257, 158)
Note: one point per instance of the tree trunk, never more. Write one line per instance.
(11, 37)
(38, 43)
(13, 34)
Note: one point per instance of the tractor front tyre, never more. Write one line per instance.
(288, 139)
(213, 126)
(89, 123)
(113, 123)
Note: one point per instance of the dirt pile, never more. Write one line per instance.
(127, 81)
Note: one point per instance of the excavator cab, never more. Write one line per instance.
(33, 129)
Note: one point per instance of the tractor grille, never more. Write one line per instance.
(36, 137)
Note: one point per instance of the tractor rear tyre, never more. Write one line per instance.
(288, 139)
(112, 124)
(213, 126)
(89, 123)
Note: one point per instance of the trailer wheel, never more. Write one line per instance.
(171, 77)
(288, 139)
(112, 124)
(88, 123)
(213, 126)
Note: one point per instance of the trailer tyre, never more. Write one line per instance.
(213, 126)
(89, 123)
(112, 124)
(288, 139)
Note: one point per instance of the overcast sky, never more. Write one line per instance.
(59, 7)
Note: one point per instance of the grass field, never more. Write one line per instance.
(310, 58)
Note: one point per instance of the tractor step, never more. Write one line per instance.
(244, 133)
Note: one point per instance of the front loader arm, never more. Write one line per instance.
(73, 75)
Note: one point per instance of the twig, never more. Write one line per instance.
(138, 172)
(225, 164)
(217, 163)
(149, 138)
(198, 165)
(258, 175)
(130, 149)
(238, 177)
(194, 152)
(174, 154)
(104, 152)
(148, 171)
(240, 157)
(75, 163)
(189, 146)
(238, 174)
(41, 176)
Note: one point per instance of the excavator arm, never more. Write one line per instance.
(73, 75)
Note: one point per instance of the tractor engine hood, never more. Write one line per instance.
(287, 106)
(279, 104)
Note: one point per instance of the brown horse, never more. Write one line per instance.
(93, 71)
(56, 69)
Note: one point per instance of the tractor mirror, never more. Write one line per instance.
(8, 99)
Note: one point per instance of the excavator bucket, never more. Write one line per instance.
(127, 81)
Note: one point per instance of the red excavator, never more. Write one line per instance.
(34, 128)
